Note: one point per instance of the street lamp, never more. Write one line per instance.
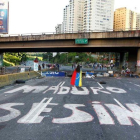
(48, 58)
(67, 58)
(102, 59)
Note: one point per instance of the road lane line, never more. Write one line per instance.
(119, 104)
(42, 108)
(137, 85)
(54, 91)
(100, 85)
(59, 84)
(62, 84)
(34, 109)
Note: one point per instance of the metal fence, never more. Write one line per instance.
(11, 70)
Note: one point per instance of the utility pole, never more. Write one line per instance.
(48, 58)
(67, 57)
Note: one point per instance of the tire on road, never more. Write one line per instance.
(20, 81)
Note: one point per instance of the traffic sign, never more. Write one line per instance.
(81, 41)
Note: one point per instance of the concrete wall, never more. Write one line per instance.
(132, 42)
(94, 35)
(1, 59)
(11, 78)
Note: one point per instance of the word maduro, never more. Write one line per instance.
(66, 90)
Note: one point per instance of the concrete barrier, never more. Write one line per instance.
(11, 78)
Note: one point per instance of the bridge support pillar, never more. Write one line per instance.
(138, 61)
(132, 60)
(122, 57)
(1, 59)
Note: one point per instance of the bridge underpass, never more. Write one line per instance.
(119, 42)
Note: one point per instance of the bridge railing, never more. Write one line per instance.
(66, 32)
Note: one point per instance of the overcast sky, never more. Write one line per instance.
(36, 16)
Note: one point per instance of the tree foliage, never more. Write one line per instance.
(15, 58)
(64, 58)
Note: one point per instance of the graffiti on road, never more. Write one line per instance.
(66, 90)
(123, 115)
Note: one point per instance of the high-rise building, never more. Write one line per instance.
(76, 15)
(88, 15)
(58, 29)
(98, 15)
(124, 19)
(138, 21)
(66, 16)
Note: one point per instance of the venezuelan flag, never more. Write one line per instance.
(76, 79)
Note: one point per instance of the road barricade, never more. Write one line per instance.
(4, 80)
(11, 78)
(54, 74)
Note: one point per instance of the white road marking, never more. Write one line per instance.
(137, 85)
(55, 88)
(62, 84)
(78, 116)
(13, 112)
(96, 102)
(33, 116)
(75, 91)
(124, 115)
(30, 113)
(59, 84)
(103, 116)
(64, 90)
(116, 90)
(27, 89)
(95, 90)
(119, 103)
(41, 109)
(100, 85)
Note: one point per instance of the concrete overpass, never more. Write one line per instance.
(121, 41)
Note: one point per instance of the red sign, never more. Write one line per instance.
(36, 60)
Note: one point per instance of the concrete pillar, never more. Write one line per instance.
(132, 60)
(138, 61)
(1, 59)
(122, 58)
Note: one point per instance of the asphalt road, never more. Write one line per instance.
(51, 109)
(62, 68)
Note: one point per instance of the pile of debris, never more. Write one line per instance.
(100, 74)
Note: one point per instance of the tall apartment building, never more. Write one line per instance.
(98, 15)
(138, 21)
(124, 19)
(88, 15)
(58, 28)
(76, 15)
(66, 16)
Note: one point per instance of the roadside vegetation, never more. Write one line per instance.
(12, 59)
(73, 57)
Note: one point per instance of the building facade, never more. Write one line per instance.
(58, 29)
(138, 21)
(76, 15)
(98, 15)
(124, 19)
(88, 15)
(66, 16)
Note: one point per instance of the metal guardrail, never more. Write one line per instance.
(67, 32)
(11, 70)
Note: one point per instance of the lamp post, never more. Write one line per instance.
(48, 58)
(67, 57)
(102, 59)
